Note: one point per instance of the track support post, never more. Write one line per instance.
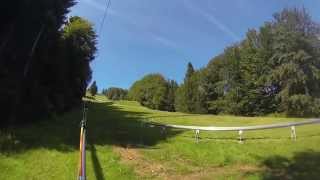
(240, 136)
(197, 135)
(293, 133)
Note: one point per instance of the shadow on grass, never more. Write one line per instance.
(96, 164)
(122, 127)
(304, 165)
(106, 125)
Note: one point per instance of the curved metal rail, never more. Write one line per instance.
(243, 128)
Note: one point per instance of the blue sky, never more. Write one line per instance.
(162, 36)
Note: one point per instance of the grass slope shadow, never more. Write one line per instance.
(107, 125)
(123, 128)
(303, 165)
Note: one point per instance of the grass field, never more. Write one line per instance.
(121, 145)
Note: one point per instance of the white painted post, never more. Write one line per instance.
(197, 135)
(293, 133)
(240, 136)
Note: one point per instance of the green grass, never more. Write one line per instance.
(221, 149)
(49, 149)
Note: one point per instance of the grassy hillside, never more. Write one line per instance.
(121, 145)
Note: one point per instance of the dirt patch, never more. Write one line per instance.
(239, 171)
(145, 168)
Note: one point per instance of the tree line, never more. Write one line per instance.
(115, 93)
(44, 59)
(275, 69)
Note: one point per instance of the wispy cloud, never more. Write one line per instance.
(165, 41)
(150, 34)
(134, 24)
(98, 6)
(212, 19)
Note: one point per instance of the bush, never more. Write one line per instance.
(115, 93)
(151, 91)
(302, 106)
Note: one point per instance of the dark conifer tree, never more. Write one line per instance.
(93, 89)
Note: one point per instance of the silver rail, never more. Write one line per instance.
(243, 128)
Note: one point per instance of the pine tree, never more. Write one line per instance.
(93, 88)
(42, 80)
(191, 96)
(172, 89)
(189, 73)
